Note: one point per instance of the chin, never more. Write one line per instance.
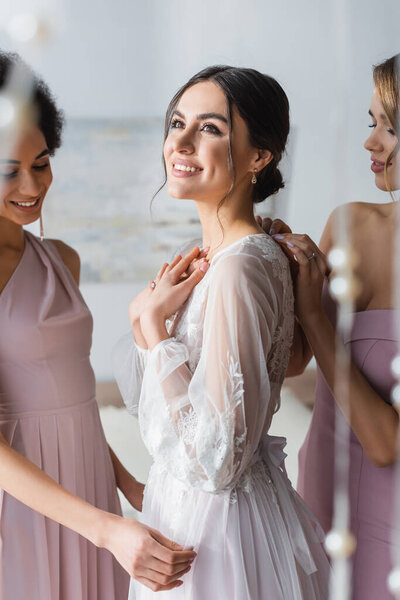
(178, 192)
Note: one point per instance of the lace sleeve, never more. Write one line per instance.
(205, 427)
(129, 362)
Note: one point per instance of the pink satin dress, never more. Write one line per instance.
(373, 345)
(48, 413)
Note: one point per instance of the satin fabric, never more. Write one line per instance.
(49, 414)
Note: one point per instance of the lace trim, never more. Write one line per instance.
(187, 426)
(282, 338)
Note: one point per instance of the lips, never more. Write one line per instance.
(185, 168)
(27, 205)
(378, 166)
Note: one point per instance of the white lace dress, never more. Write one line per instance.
(205, 399)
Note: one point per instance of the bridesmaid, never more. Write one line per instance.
(373, 344)
(54, 539)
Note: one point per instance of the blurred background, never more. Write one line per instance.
(115, 64)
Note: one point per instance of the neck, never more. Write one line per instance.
(236, 218)
(11, 235)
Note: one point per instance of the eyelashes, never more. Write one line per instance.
(391, 131)
(14, 173)
(207, 127)
(176, 124)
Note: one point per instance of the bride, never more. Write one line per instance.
(210, 346)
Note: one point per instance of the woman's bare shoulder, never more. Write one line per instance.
(70, 258)
(359, 216)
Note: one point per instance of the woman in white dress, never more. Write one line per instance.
(210, 346)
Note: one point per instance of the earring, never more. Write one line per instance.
(254, 178)
(41, 228)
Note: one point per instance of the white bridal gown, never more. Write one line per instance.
(205, 399)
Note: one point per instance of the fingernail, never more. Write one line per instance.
(179, 584)
(206, 249)
(278, 236)
(290, 244)
(272, 231)
(204, 267)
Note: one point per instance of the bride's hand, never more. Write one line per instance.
(196, 262)
(140, 302)
(145, 553)
(173, 286)
(170, 291)
(312, 268)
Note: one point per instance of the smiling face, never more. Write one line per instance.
(381, 143)
(25, 177)
(196, 150)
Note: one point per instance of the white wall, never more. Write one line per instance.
(127, 57)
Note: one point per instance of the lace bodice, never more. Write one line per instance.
(207, 394)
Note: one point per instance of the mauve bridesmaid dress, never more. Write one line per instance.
(373, 345)
(49, 414)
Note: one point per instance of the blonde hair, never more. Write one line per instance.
(386, 80)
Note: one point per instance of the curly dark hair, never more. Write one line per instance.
(50, 119)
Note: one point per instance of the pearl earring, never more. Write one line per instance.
(254, 178)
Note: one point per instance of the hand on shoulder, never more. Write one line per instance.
(70, 258)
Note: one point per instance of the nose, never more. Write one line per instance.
(372, 143)
(184, 141)
(29, 184)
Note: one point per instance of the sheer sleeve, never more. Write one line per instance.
(205, 426)
(129, 362)
(129, 359)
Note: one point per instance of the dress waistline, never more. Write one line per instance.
(7, 416)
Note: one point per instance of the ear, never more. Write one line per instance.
(261, 160)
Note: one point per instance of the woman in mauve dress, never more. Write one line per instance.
(207, 367)
(57, 542)
(373, 344)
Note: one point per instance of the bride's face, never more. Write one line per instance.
(381, 143)
(196, 150)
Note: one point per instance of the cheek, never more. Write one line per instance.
(48, 178)
(216, 157)
(8, 189)
(167, 149)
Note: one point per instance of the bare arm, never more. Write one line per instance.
(301, 351)
(374, 421)
(129, 486)
(146, 555)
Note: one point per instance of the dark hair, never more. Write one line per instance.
(264, 107)
(50, 119)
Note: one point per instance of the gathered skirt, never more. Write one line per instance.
(40, 559)
(258, 541)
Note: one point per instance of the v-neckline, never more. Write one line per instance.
(17, 268)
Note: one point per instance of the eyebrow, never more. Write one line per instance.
(382, 116)
(210, 115)
(9, 161)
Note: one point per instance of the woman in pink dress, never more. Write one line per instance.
(60, 518)
(373, 344)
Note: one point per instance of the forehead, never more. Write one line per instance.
(28, 145)
(203, 97)
(376, 104)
